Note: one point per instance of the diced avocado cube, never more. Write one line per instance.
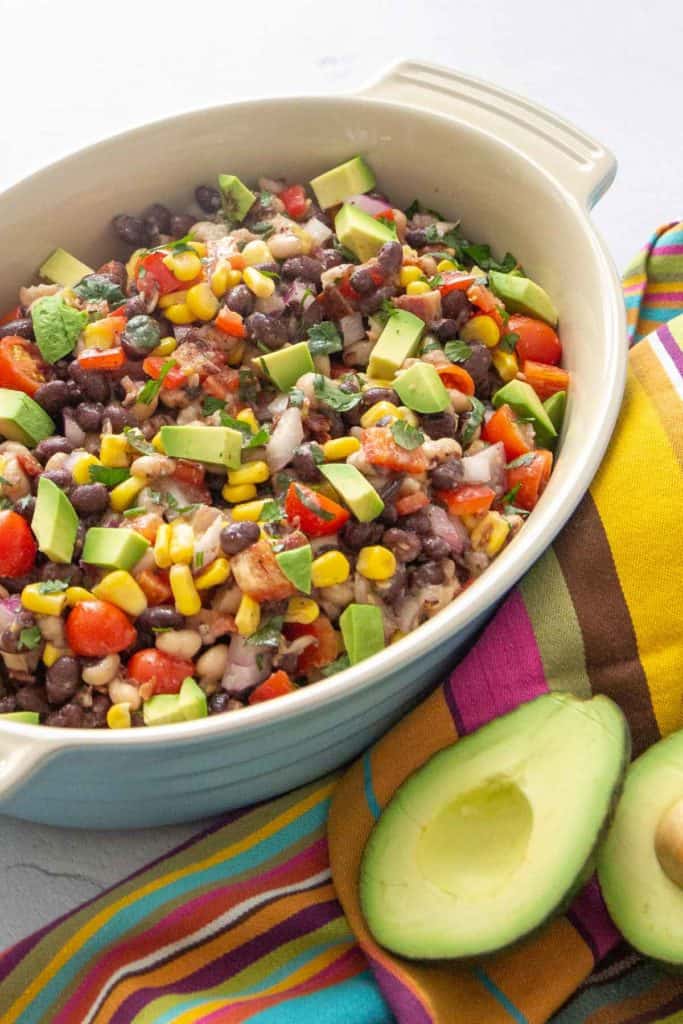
(285, 366)
(522, 295)
(296, 566)
(22, 419)
(27, 717)
(524, 401)
(64, 269)
(113, 547)
(347, 179)
(217, 446)
(555, 406)
(362, 630)
(421, 389)
(57, 327)
(361, 233)
(55, 522)
(171, 708)
(397, 342)
(237, 198)
(354, 489)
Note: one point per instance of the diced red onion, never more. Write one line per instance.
(449, 528)
(352, 328)
(298, 294)
(9, 609)
(287, 436)
(486, 467)
(208, 544)
(369, 204)
(318, 231)
(273, 304)
(247, 665)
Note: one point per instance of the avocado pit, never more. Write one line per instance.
(669, 843)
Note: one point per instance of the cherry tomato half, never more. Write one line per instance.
(317, 514)
(154, 666)
(295, 202)
(537, 340)
(21, 367)
(97, 628)
(504, 426)
(531, 477)
(323, 651)
(276, 685)
(17, 545)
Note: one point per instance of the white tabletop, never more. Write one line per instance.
(76, 72)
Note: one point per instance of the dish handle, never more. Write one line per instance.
(581, 165)
(21, 753)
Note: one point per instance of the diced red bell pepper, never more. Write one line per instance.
(155, 586)
(295, 202)
(387, 214)
(99, 360)
(545, 380)
(14, 314)
(455, 280)
(153, 272)
(532, 476)
(411, 503)
(230, 323)
(537, 340)
(18, 548)
(456, 377)
(504, 426)
(276, 685)
(380, 449)
(468, 500)
(220, 385)
(189, 473)
(316, 514)
(319, 654)
(175, 378)
(21, 365)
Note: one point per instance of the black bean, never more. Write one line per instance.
(405, 545)
(369, 304)
(52, 396)
(240, 300)
(390, 258)
(90, 499)
(419, 522)
(115, 270)
(22, 328)
(455, 306)
(221, 701)
(305, 267)
(416, 237)
(8, 704)
(117, 417)
(160, 617)
(88, 415)
(93, 385)
(157, 218)
(435, 548)
(208, 198)
(304, 465)
(62, 679)
(80, 539)
(71, 716)
(330, 258)
(478, 364)
(32, 698)
(374, 395)
(50, 446)
(25, 507)
(428, 574)
(439, 424)
(60, 478)
(448, 475)
(363, 281)
(393, 589)
(267, 329)
(355, 536)
(445, 329)
(130, 230)
(97, 717)
(181, 224)
(269, 268)
(134, 306)
(312, 314)
(238, 536)
(321, 426)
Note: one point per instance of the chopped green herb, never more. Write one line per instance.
(249, 439)
(312, 505)
(521, 460)
(272, 511)
(387, 221)
(269, 633)
(330, 395)
(386, 311)
(110, 476)
(199, 559)
(513, 510)
(180, 245)
(138, 442)
(263, 228)
(339, 665)
(30, 638)
(265, 197)
(406, 436)
(53, 586)
(435, 282)
(481, 256)
(317, 453)
(272, 274)
(296, 397)
(130, 513)
(211, 405)
(509, 498)
(98, 288)
(324, 339)
(508, 341)
(152, 388)
(5, 503)
(417, 207)
(248, 387)
(475, 418)
(458, 351)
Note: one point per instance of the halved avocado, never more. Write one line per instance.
(640, 865)
(495, 834)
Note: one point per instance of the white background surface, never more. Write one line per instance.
(74, 72)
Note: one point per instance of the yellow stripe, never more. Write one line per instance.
(629, 507)
(665, 286)
(97, 922)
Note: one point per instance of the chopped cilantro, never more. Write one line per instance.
(99, 288)
(521, 460)
(339, 665)
(30, 638)
(417, 207)
(508, 498)
(130, 513)
(508, 341)
(110, 476)
(249, 439)
(152, 388)
(296, 397)
(330, 395)
(324, 339)
(138, 442)
(199, 559)
(475, 418)
(435, 282)
(457, 351)
(269, 633)
(263, 228)
(386, 311)
(272, 511)
(211, 405)
(406, 436)
(53, 586)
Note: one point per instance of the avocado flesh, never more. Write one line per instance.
(22, 419)
(64, 269)
(237, 199)
(522, 295)
(216, 446)
(285, 366)
(354, 489)
(361, 233)
(55, 522)
(643, 901)
(347, 179)
(493, 836)
(113, 547)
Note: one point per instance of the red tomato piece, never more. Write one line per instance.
(545, 380)
(380, 449)
(455, 280)
(175, 378)
(531, 476)
(189, 473)
(163, 670)
(537, 340)
(102, 360)
(317, 515)
(153, 272)
(325, 649)
(155, 586)
(468, 500)
(18, 548)
(230, 323)
(456, 377)
(295, 202)
(276, 685)
(220, 385)
(21, 366)
(504, 426)
(411, 503)
(97, 628)
(14, 314)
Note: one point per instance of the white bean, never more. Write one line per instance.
(213, 662)
(181, 643)
(459, 401)
(152, 465)
(102, 672)
(121, 692)
(284, 245)
(52, 629)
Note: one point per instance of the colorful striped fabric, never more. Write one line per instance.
(257, 919)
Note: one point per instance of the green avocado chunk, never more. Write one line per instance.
(64, 269)
(113, 547)
(28, 717)
(55, 522)
(285, 366)
(421, 389)
(237, 198)
(57, 327)
(170, 708)
(524, 401)
(397, 342)
(361, 233)
(216, 446)
(362, 631)
(522, 295)
(347, 179)
(493, 835)
(296, 566)
(555, 407)
(22, 419)
(354, 489)
(640, 864)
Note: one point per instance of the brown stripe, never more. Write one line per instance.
(612, 661)
(660, 999)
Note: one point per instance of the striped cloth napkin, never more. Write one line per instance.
(257, 919)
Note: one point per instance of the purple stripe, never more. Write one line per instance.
(654, 298)
(589, 916)
(667, 250)
(671, 345)
(406, 1006)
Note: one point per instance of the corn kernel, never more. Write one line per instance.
(417, 288)
(256, 252)
(165, 347)
(304, 238)
(120, 588)
(238, 492)
(396, 636)
(134, 262)
(123, 495)
(247, 416)
(171, 299)
(481, 328)
(236, 354)
(219, 279)
(490, 533)
(409, 274)
(185, 594)
(234, 278)
(114, 450)
(181, 548)
(118, 716)
(340, 448)
(42, 604)
(80, 469)
(506, 364)
(377, 382)
(407, 415)
(250, 473)
(377, 412)
(158, 444)
(248, 511)
(74, 595)
(183, 265)
(248, 616)
(179, 314)
(470, 522)
(262, 286)
(302, 610)
(376, 562)
(444, 266)
(201, 300)
(216, 574)
(51, 654)
(329, 569)
(100, 334)
(200, 248)
(162, 546)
